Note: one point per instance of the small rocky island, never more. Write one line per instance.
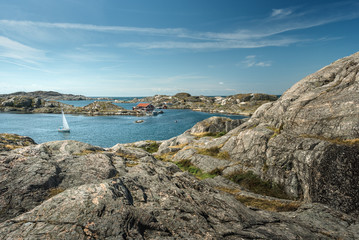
(240, 104)
(48, 102)
(48, 95)
(291, 171)
(27, 104)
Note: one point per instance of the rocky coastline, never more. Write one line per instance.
(47, 102)
(24, 104)
(52, 96)
(290, 171)
(239, 104)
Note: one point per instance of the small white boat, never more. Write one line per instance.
(65, 126)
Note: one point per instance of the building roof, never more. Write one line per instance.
(142, 105)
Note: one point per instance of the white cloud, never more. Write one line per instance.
(13, 50)
(273, 30)
(205, 45)
(281, 12)
(251, 61)
(91, 27)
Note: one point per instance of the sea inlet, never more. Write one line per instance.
(103, 131)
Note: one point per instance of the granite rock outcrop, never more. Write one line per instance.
(72, 190)
(306, 142)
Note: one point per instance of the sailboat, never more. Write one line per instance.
(65, 126)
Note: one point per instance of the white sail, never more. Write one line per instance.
(64, 121)
(65, 126)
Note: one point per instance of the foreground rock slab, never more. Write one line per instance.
(126, 193)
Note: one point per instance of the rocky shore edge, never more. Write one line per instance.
(48, 102)
(239, 104)
(24, 104)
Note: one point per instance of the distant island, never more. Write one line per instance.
(41, 102)
(241, 104)
(47, 102)
(47, 95)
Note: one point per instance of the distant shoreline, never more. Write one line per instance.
(48, 102)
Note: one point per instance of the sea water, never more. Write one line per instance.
(103, 131)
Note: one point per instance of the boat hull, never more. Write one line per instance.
(63, 130)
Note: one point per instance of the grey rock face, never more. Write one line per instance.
(307, 140)
(28, 175)
(216, 125)
(126, 194)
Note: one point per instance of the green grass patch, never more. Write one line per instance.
(255, 184)
(214, 152)
(186, 165)
(276, 131)
(152, 147)
(210, 134)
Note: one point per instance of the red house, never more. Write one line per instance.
(144, 106)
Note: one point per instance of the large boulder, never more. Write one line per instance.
(215, 125)
(30, 175)
(308, 139)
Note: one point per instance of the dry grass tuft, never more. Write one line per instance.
(339, 141)
(131, 164)
(269, 205)
(127, 156)
(214, 152)
(55, 191)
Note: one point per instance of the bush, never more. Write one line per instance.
(255, 184)
(153, 147)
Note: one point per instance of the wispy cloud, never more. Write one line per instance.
(274, 29)
(224, 44)
(27, 66)
(251, 61)
(97, 28)
(10, 49)
(281, 12)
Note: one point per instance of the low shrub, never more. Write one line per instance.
(255, 184)
(152, 147)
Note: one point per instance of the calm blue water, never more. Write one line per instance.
(104, 131)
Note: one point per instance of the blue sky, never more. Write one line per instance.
(143, 48)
